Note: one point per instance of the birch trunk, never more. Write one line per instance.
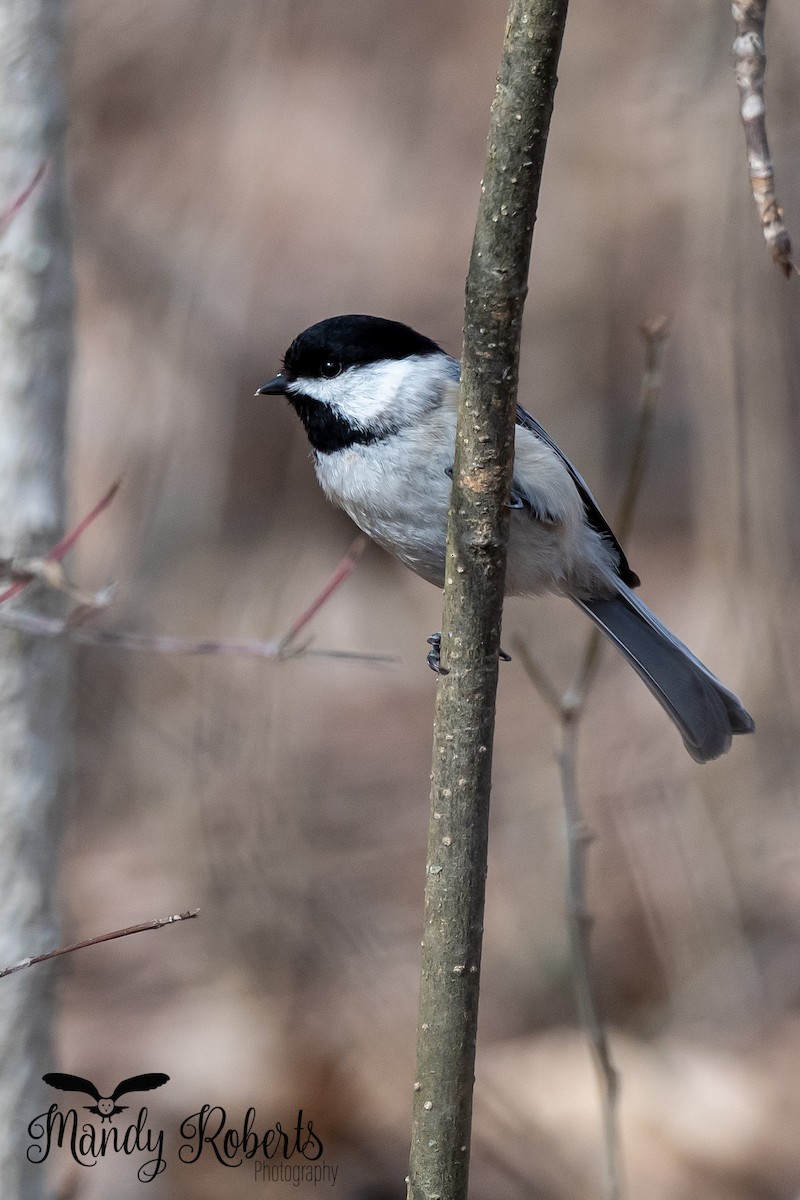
(35, 345)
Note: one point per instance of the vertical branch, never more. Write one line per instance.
(579, 923)
(655, 334)
(750, 62)
(568, 709)
(473, 596)
(35, 345)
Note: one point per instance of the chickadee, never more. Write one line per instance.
(378, 402)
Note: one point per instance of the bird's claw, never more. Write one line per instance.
(433, 657)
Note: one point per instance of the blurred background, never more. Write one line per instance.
(240, 169)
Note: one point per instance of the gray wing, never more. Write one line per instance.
(594, 516)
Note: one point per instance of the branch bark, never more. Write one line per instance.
(750, 62)
(157, 923)
(473, 599)
(35, 676)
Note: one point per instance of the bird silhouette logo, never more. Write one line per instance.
(106, 1106)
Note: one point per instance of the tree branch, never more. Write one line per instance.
(73, 627)
(57, 553)
(473, 598)
(158, 923)
(750, 62)
(569, 709)
(655, 334)
(48, 570)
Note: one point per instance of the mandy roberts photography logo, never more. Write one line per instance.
(277, 1153)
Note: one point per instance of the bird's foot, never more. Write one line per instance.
(433, 657)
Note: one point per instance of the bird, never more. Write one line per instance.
(106, 1106)
(378, 402)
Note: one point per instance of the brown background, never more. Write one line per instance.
(239, 170)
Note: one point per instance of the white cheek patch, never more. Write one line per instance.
(362, 394)
(368, 395)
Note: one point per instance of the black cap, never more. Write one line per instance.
(331, 346)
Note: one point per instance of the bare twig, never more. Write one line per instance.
(342, 572)
(569, 708)
(10, 210)
(52, 574)
(61, 548)
(473, 599)
(579, 922)
(655, 334)
(149, 643)
(158, 923)
(538, 676)
(750, 63)
(48, 570)
(73, 626)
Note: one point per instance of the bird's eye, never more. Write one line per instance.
(330, 368)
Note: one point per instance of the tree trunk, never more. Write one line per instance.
(35, 346)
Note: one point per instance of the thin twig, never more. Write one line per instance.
(342, 572)
(47, 570)
(538, 676)
(579, 922)
(74, 628)
(158, 923)
(10, 210)
(149, 643)
(61, 548)
(52, 574)
(750, 62)
(569, 708)
(655, 334)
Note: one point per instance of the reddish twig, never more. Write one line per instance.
(750, 63)
(67, 542)
(73, 625)
(61, 548)
(159, 923)
(10, 210)
(342, 572)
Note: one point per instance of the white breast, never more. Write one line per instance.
(398, 490)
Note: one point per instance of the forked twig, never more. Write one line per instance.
(158, 923)
(48, 570)
(568, 708)
(57, 553)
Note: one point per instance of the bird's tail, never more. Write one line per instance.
(702, 708)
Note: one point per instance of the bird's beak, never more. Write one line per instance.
(274, 387)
